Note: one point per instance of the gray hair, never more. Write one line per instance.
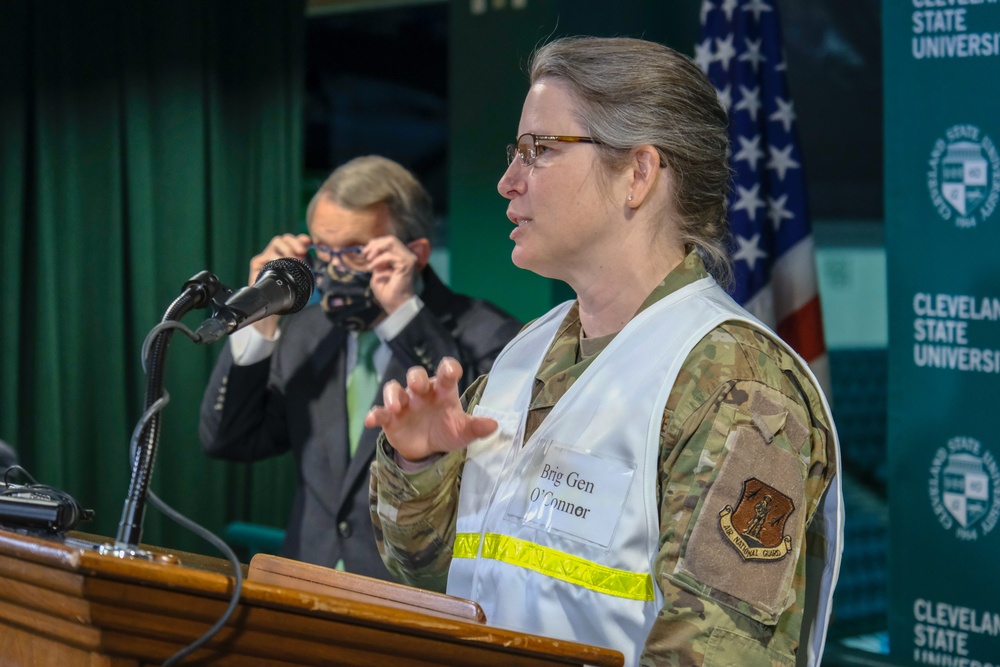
(370, 180)
(632, 92)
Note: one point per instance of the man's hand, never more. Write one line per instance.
(426, 417)
(286, 245)
(394, 269)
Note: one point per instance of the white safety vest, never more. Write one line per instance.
(556, 536)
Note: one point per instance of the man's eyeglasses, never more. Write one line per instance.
(527, 145)
(350, 258)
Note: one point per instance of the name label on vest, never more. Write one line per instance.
(573, 493)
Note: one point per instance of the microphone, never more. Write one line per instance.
(282, 286)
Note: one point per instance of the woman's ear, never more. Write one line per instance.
(646, 172)
(422, 249)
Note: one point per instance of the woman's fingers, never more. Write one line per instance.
(394, 397)
(426, 415)
(377, 416)
(449, 372)
(480, 427)
(417, 381)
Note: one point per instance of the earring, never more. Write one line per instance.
(630, 197)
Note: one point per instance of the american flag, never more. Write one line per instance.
(773, 257)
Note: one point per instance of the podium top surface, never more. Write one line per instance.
(66, 592)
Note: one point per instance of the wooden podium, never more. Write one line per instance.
(62, 603)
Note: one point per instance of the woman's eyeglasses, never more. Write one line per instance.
(349, 258)
(527, 145)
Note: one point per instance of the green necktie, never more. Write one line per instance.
(362, 384)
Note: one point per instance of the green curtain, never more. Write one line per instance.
(140, 142)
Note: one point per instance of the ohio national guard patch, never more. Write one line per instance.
(756, 528)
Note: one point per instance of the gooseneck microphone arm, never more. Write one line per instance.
(198, 292)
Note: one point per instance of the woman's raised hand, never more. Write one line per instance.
(426, 417)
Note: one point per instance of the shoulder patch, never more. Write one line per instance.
(756, 527)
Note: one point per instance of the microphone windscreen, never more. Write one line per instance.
(300, 276)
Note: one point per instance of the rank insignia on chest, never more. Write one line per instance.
(756, 528)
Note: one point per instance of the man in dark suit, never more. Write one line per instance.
(283, 389)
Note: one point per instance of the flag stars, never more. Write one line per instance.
(725, 51)
(728, 6)
(749, 151)
(750, 101)
(753, 54)
(781, 160)
(748, 199)
(785, 113)
(782, 64)
(749, 250)
(757, 7)
(777, 212)
(706, 7)
(703, 54)
(725, 96)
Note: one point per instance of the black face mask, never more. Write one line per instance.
(347, 298)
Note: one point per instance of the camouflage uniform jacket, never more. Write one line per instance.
(737, 393)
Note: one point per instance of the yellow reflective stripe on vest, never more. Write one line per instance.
(558, 565)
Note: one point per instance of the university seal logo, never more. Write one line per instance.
(756, 528)
(964, 176)
(963, 486)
